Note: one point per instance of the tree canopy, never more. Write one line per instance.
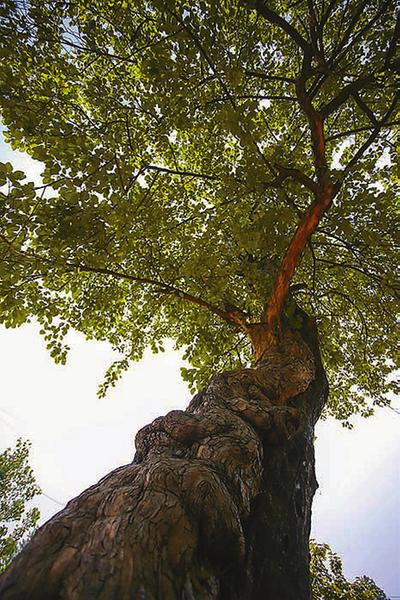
(17, 487)
(198, 158)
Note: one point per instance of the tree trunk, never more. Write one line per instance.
(215, 505)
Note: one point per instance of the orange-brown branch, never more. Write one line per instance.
(293, 255)
(323, 198)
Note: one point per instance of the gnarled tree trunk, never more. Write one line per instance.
(215, 505)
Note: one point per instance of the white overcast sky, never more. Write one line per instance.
(77, 438)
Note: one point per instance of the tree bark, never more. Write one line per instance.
(215, 505)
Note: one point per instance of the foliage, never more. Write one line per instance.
(329, 583)
(17, 487)
(178, 163)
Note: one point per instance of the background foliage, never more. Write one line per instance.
(17, 488)
(329, 583)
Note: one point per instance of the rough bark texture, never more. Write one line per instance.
(216, 504)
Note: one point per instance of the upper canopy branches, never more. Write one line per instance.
(191, 152)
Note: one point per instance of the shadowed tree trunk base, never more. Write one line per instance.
(216, 504)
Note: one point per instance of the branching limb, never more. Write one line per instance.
(350, 132)
(297, 175)
(233, 317)
(268, 77)
(160, 169)
(372, 137)
(350, 89)
(365, 108)
(275, 19)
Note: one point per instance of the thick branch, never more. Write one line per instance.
(372, 137)
(346, 92)
(316, 32)
(297, 175)
(268, 77)
(325, 16)
(364, 107)
(349, 132)
(160, 169)
(316, 121)
(274, 18)
(294, 252)
(234, 317)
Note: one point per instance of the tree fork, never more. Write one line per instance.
(183, 519)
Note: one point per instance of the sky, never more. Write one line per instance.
(77, 438)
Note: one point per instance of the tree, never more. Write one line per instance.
(328, 581)
(222, 174)
(17, 487)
